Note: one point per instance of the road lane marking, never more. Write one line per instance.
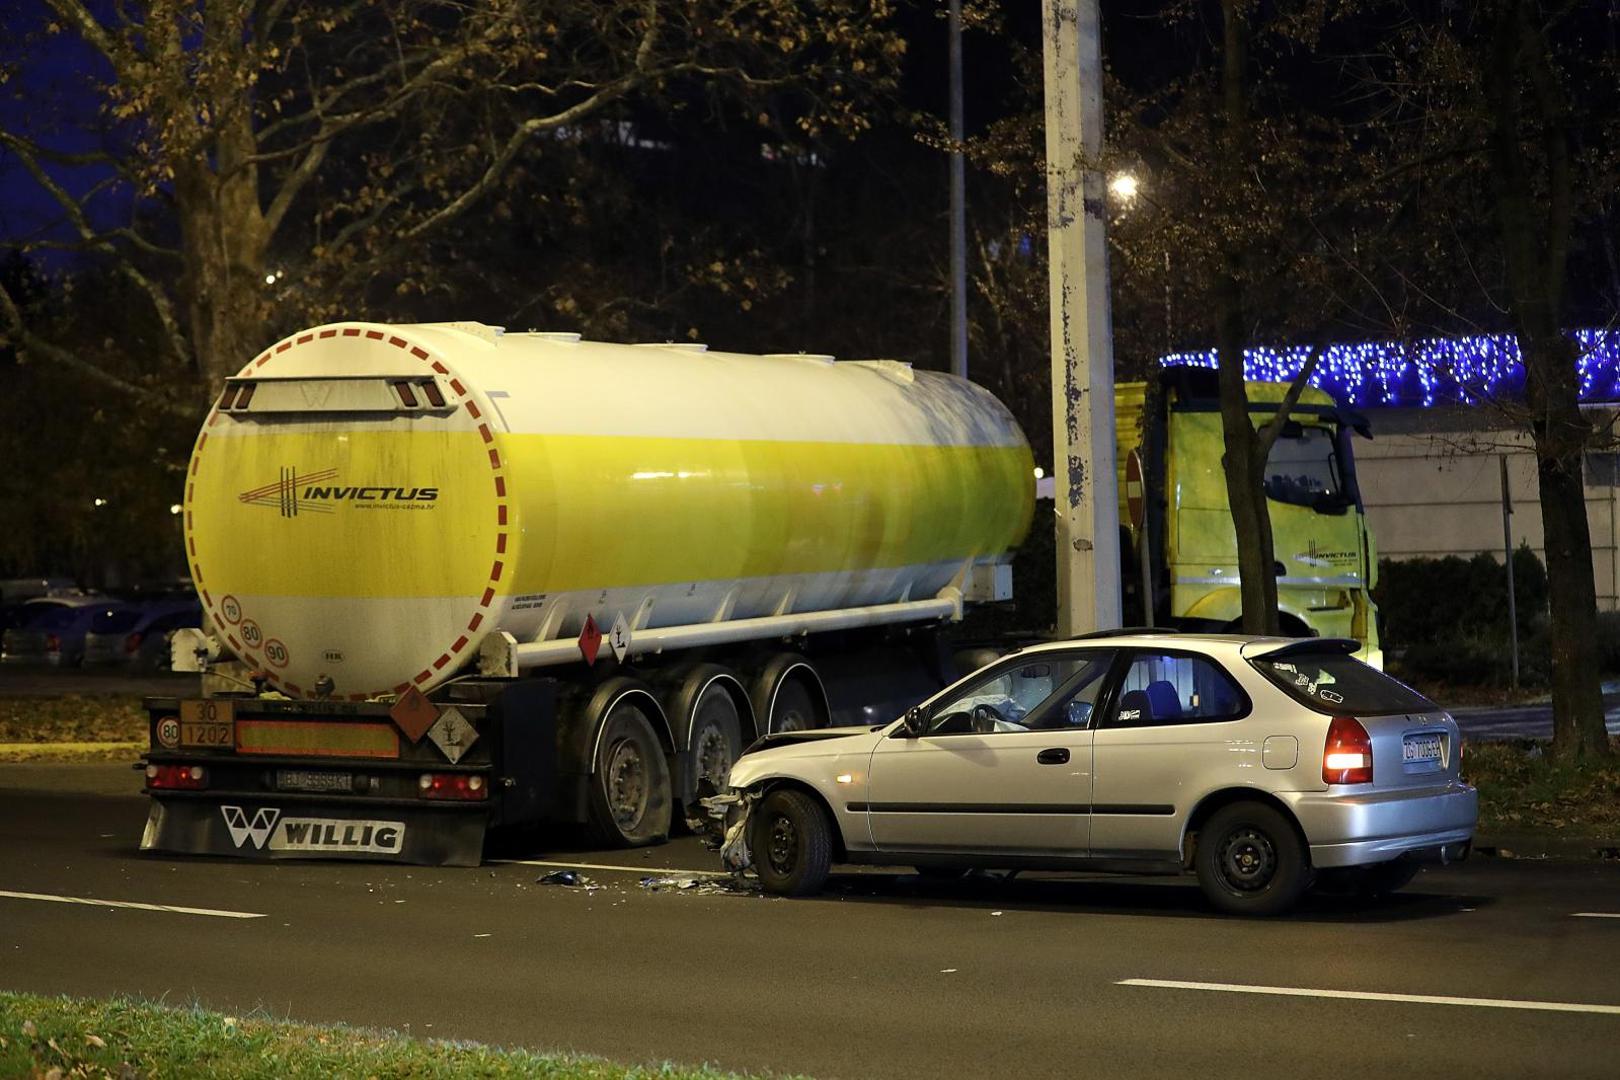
(1366, 995)
(645, 871)
(1596, 915)
(91, 902)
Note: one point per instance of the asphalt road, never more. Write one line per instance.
(886, 976)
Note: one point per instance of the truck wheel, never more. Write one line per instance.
(630, 790)
(1251, 861)
(791, 841)
(794, 708)
(716, 740)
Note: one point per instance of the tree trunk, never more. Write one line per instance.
(1535, 224)
(1243, 465)
(1578, 727)
(224, 234)
(1243, 462)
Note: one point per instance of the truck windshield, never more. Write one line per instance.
(1303, 469)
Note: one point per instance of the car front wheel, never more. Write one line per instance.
(792, 843)
(1251, 861)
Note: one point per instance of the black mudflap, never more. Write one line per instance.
(260, 828)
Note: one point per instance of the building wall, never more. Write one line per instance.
(1432, 484)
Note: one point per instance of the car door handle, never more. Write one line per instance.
(1058, 755)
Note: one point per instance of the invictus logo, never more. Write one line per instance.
(314, 493)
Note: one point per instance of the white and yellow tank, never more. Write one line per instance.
(365, 503)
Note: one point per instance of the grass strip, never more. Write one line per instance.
(125, 1039)
(72, 718)
(1522, 787)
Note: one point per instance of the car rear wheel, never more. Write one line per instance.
(792, 843)
(1251, 861)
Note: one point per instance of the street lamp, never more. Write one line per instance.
(1124, 186)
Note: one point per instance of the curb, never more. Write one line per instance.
(1546, 845)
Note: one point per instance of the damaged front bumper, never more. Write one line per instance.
(724, 826)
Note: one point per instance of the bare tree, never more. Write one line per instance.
(286, 160)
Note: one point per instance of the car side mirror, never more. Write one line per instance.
(916, 722)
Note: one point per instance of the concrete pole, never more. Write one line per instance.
(959, 334)
(1086, 487)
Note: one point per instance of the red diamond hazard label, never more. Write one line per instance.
(590, 640)
(413, 714)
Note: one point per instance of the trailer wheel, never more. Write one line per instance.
(716, 740)
(794, 709)
(630, 789)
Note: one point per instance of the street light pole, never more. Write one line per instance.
(959, 336)
(1086, 487)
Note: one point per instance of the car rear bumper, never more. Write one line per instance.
(1358, 829)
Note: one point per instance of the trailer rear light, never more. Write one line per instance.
(228, 397)
(247, 395)
(53, 643)
(403, 389)
(176, 777)
(1347, 754)
(431, 389)
(132, 643)
(461, 786)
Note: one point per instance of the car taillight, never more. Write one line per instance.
(452, 786)
(177, 777)
(53, 643)
(1347, 756)
(132, 643)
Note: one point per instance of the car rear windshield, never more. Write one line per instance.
(115, 621)
(1333, 682)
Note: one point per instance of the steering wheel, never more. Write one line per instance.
(986, 717)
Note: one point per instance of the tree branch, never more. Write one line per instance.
(159, 299)
(29, 342)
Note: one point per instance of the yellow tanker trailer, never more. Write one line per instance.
(456, 577)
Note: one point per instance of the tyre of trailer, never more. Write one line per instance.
(713, 722)
(630, 791)
(788, 695)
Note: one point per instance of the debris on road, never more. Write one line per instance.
(705, 886)
(571, 878)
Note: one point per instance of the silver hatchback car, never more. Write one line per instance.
(1257, 763)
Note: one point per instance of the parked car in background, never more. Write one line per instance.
(14, 614)
(1255, 763)
(52, 634)
(138, 637)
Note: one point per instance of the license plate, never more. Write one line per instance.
(208, 725)
(313, 780)
(1418, 748)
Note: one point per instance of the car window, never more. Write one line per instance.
(1176, 688)
(114, 620)
(1015, 697)
(174, 620)
(1333, 682)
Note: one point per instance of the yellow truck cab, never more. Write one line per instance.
(1183, 548)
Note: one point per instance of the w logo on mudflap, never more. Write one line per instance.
(258, 830)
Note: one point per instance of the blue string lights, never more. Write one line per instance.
(1425, 372)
